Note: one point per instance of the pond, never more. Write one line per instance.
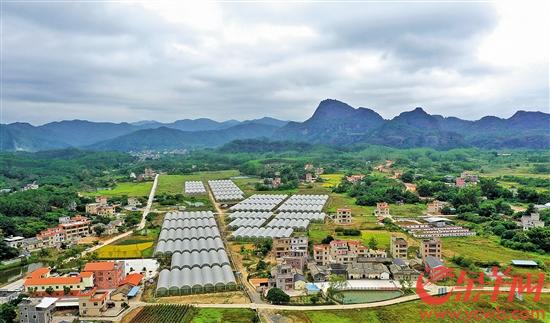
(12, 274)
(369, 296)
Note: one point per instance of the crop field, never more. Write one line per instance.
(125, 188)
(487, 249)
(136, 250)
(331, 180)
(164, 313)
(410, 312)
(215, 315)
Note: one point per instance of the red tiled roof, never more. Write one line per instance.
(132, 279)
(100, 266)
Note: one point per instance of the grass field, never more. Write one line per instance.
(487, 249)
(382, 237)
(408, 210)
(411, 312)
(173, 184)
(525, 171)
(213, 315)
(125, 188)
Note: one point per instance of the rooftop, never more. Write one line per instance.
(46, 302)
(524, 262)
(100, 266)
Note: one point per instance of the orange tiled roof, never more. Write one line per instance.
(99, 266)
(132, 279)
(53, 281)
(86, 274)
(38, 273)
(258, 281)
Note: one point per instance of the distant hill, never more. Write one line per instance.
(333, 123)
(165, 138)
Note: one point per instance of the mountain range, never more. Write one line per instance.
(333, 123)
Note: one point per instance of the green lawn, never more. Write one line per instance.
(382, 237)
(234, 315)
(125, 188)
(410, 312)
(487, 249)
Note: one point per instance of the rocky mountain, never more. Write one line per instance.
(333, 122)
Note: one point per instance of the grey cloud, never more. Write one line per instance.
(122, 62)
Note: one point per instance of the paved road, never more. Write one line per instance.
(250, 291)
(140, 226)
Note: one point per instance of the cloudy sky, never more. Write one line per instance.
(129, 61)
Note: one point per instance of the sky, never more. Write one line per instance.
(164, 61)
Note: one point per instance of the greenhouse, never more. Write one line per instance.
(304, 203)
(195, 280)
(247, 233)
(225, 190)
(200, 259)
(259, 202)
(194, 187)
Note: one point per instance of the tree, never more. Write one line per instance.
(327, 240)
(373, 243)
(314, 299)
(261, 265)
(99, 229)
(66, 290)
(335, 285)
(7, 252)
(49, 290)
(277, 296)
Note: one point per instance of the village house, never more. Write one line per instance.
(112, 227)
(260, 284)
(93, 305)
(14, 242)
(410, 187)
(382, 209)
(309, 178)
(398, 247)
(319, 171)
(342, 216)
(76, 228)
(42, 283)
(430, 247)
(51, 237)
(133, 202)
(460, 182)
(283, 276)
(107, 274)
(435, 207)
(469, 177)
(100, 209)
(367, 270)
(31, 186)
(531, 221)
(432, 265)
(149, 174)
(36, 310)
(318, 273)
(290, 246)
(355, 178)
(404, 272)
(308, 167)
(343, 252)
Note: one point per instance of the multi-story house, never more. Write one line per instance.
(382, 209)
(342, 216)
(36, 310)
(75, 229)
(430, 247)
(107, 274)
(435, 207)
(398, 247)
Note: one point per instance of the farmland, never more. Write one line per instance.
(125, 188)
(163, 313)
(133, 250)
(411, 312)
(215, 315)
